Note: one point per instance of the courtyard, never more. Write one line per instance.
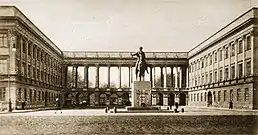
(96, 121)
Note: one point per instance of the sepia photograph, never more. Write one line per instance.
(79, 67)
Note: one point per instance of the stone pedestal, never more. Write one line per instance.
(141, 93)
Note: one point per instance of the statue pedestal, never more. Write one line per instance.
(141, 94)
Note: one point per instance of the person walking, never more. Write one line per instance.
(58, 105)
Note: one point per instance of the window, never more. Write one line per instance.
(29, 70)
(19, 94)
(207, 78)
(197, 96)
(225, 95)
(3, 66)
(226, 73)
(220, 75)
(30, 95)
(202, 63)
(202, 79)
(205, 96)
(219, 95)
(29, 49)
(240, 70)
(206, 61)
(35, 95)
(215, 57)
(231, 95)
(238, 94)
(2, 94)
(39, 95)
(246, 94)
(201, 97)
(191, 97)
(248, 68)
(232, 72)
(220, 55)
(226, 52)
(25, 94)
(232, 49)
(24, 47)
(210, 59)
(240, 46)
(210, 77)
(194, 97)
(3, 40)
(214, 96)
(215, 76)
(248, 43)
(43, 95)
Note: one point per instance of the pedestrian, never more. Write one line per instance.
(58, 106)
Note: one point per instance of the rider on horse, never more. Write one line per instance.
(141, 64)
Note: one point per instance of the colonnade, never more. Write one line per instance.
(177, 76)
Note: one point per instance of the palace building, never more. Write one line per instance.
(34, 71)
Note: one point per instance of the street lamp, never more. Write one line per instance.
(9, 72)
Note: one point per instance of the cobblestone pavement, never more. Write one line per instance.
(96, 121)
(101, 112)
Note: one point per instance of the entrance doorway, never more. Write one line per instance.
(182, 99)
(209, 98)
(160, 99)
(171, 99)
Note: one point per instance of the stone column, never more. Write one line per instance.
(97, 77)
(176, 78)
(165, 78)
(236, 60)
(180, 77)
(129, 76)
(229, 59)
(252, 51)
(108, 85)
(161, 77)
(151, 76)
(76, 76)
(243, 50)
(73, 72)
(172, 74)
(86, 76)
(154, 77)
(119, 77)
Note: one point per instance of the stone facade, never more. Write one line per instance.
(34, 71)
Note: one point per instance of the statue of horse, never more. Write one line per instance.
(140, 71)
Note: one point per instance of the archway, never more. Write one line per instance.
(113, 99)
(182, 99)
(125, 99)
(102, 99)
(209, 98)
(160, 99)
(171, 99)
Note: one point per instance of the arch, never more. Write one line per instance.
(102, 99)
(209, 98)
(182, 99)
(171, 99)
(160, 99)
(125, 99)
(113, 99)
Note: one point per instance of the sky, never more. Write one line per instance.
(124, 25)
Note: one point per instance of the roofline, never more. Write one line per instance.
(223, 28)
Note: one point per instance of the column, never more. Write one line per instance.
(176, 78)
(119, 76)
(65, 76)
(180, 77)
(252, 52)
(97, 77)
(154, 77)
(229, 61)
(172, 74)
(131, 74)
(151, 75)
(165, 78)
(108, 77)
(76, 76)
(129, 78)
(243, 50)
(73, 72)
(236, 64)
(161, 77)
(86, 76)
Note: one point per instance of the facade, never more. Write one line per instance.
(223, 68)
(34, 71)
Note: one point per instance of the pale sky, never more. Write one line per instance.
(124, 25)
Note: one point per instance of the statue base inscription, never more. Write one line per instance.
(141, 94)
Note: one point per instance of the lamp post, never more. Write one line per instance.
(9, 72)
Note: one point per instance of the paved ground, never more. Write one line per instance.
(96, 121)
